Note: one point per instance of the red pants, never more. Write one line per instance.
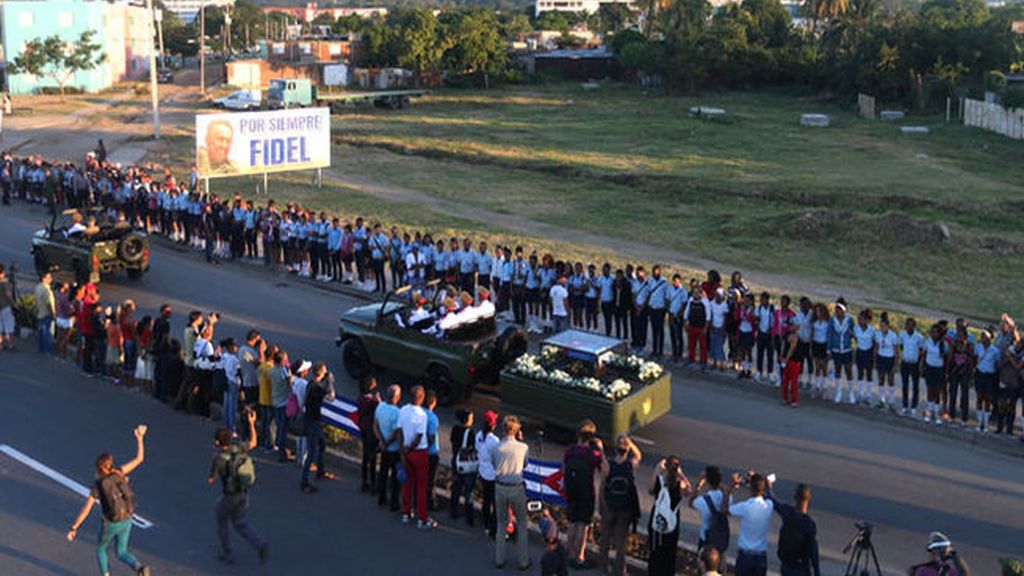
(695, 336)
(791, 381)
(418, 463)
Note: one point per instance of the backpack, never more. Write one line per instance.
(466, 460)
(578, 478)
(291, 409)
(793, 545)
(315, 395)
(620, 489)
(717, 535)
(116, 497)
(239, 472)
(698, 317)
(664, 517)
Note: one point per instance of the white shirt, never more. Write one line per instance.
(719, 310)
(418, 315)
(412, 420)
(701, 505)
(484, 445)
(76, 228)
(229, 363)
(755, 516)
(934, 353)
(865, 337)
(412, 260)
(558, 296)
(910, 345)
(886, 342)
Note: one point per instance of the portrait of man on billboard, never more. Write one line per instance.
(214, 155)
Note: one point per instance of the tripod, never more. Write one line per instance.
(863, 555)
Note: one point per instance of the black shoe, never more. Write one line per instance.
(264, 553)
(309, 488)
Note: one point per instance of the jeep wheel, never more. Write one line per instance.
(134, 273)
(355, 359)
(440, 381)
(131, 248)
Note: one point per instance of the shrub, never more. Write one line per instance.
(1014, 96)
(25, 312)
(54, 91)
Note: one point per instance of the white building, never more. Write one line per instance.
(589, 6)
(188, 10)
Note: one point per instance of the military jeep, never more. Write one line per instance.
(452, 365)
(88, 255)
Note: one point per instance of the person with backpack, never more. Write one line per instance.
(798, 537)
(669, 488)
(755, 514)
(117, 501)
(320, 389)
(697, 316)
(465, 465)
(621, 502)
(581, 463)
(366, 406)
(714, 525)
(237, 474)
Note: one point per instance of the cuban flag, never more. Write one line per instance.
(342, 413)
(544, 481)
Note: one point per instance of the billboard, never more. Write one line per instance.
(239, 143)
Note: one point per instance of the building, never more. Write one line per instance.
(312, 11)
(588, 6)
(188, 10)
(120, 29)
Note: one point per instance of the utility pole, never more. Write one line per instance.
(160, 35)
(153, 91)
(202, 47)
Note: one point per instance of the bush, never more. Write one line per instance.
(1014, 96)
(54, 91)
(25, 312)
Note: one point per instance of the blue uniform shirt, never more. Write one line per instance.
(677, 299)
(378, 243)
(433, 447)
(359, 237)
(386, 416)
(605, 286)
(483, 263)
(658, 291)
(987, 358)
(591, 288)
(532, 278)
(467, 261)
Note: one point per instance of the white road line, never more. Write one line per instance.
(61, 479)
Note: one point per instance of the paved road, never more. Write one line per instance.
(906, 480)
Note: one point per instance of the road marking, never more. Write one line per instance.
(62, 479)
(644, 441)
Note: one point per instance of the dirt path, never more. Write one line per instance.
(634, 250)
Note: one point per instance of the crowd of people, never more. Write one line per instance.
(796, 344)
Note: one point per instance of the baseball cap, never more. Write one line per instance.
(938, 541)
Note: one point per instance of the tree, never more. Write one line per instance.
(516, 26)
(614, 16)
(59, 59)
(554, 20)
(472, 41)
(414, 43)
(182, 41)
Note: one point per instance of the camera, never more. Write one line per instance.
(214, 316)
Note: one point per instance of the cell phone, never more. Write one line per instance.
(534, 506)
(771, 478)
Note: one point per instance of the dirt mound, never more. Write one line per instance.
(892, 227)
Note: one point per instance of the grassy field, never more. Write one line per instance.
(857, 204)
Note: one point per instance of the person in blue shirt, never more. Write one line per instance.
(440, 260)
(378, 245)
(840, 347)
(765, 315)
(518, 269)
(396, 256)
(359, 237)
(606, 294)
(467, 266)
(864, 336)
(334, 234)
(911, 342)
(656, 303)
(640, 290)
(590, 298)
(433, 447)
(387, 431)
(548, 276)
(484, 263)
(985, 377)
(452, 266)
(677, 297)
(577, 289)
(533, 295)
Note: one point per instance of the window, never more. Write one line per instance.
(25, 19)
(65, 20)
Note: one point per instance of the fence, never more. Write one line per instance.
(1006, 121)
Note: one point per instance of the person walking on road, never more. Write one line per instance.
(46, 311)
(117, 501)
(234, 468)
(509, 461)
(798, 537)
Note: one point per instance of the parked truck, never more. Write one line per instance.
(300, 92)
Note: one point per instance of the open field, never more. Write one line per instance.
(853, 209)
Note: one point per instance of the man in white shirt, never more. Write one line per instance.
(415, 266)
(232, 373)
(412, 421)
(559, 309)
(712, 478)
(755, 514)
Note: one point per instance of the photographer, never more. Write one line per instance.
(798, 537)
(944, 559)
(580, 465)
(755, 514)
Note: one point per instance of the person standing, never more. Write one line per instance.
(464, 476)
(231, 369)
(798, 537)
(250, 355)
(765, 316)
(509, 460)
(621, 503)
(606, 292)
(793, 356)
(714, 526)
(117, 502)
(385, 421)
(641, 290)
(936, 364)
(623, 300)
(366, 407)
(234, 468)
(755, 514)
(656, 300)
(697, 318)
(886, 342)
(864, 337)
(485, 442)
(280, 391)
(582, 462)
(412, 424)
(46, 311)
(677, 299)
(669, 487)
(719, 310)
(840, 348)
(6, 311)
(961, 368)
(911, 343)
(987, 355)
(319, 390)
(433, 447)
(560, 305)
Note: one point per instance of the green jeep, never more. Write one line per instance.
(88, 254)
(370, 336)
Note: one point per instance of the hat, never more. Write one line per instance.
(937, 541)
(304, 366)
(449, 303)
(548, 529)
(720, 291)
(491, 418)
(841, 304)
(484, 293)
(466, 298)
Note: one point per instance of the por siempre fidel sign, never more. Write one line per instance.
(235, 144)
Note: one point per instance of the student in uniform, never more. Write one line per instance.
(677, 298)
(396, 256)
(864, 336)
(452, 266)
(641, 290)
(378, 245)
(440, 261)
(765, 314)
(936, 360)
(697, 317)
(484, 263)
(886, 341)
(359, 237)
(987, 355)
(819, 346)
(840, 347)
(745, 320)
(781, 320)
(657, 300)
(548, 276)
(518, 269)
(334, 235)
(533, 295)
(960, 370)
(590, 299)
(467, 267)
(911, 343)
(719, 313)
(804, 318)
(606, 292)
(623, 302)
(577, 289)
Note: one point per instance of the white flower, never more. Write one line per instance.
(649, 371)
(549, 352)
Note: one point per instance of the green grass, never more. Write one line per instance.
(857, 204)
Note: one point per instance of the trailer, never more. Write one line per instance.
(300, 92)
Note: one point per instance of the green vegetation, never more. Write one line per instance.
(58, 59)
(856, 205)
